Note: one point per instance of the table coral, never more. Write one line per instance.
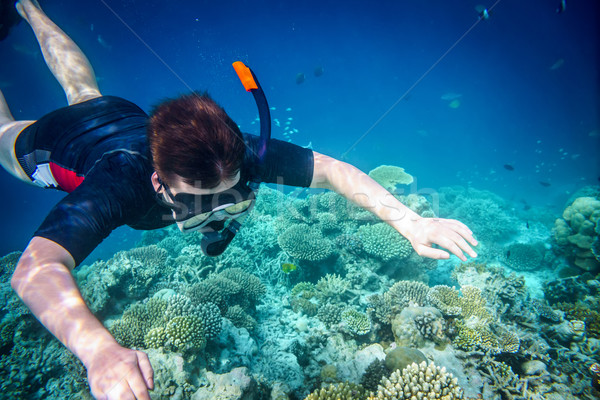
(389, 176)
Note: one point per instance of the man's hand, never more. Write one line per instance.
(450, 234)
(120, 373)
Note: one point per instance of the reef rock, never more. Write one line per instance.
(234, 385)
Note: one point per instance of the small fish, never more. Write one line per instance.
(557, 64)
(482, 11)
(508, 254)
(509, 167)
(287, 267)
(104, 43)
(318, 71)
(527, 224)
(562, 6)
(300, 78)
(544, 184)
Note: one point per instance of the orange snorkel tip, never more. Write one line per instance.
(245, 75)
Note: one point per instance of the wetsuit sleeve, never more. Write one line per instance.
(110, 196)
(285, 163)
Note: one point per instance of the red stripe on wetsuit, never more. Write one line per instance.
(67, 180)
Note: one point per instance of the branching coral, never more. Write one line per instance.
(419, 382)
(383, 242)
(332, 286)
(356, 322)
(304, 242)
(403, 293)
(338, 391)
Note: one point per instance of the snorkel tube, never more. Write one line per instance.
(214, 243)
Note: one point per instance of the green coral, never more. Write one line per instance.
(304, 289)
(251, 287)
(389, 176)
(303, 305)
(356, 322)
(304, 242)
(185, 333)
(156, 338)
(338, 391)
(210, 315)
(240, 318)
(179, 305)
(8, 264)
(383, 242)
(149, 255)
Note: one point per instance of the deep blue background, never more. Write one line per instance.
(514, 108)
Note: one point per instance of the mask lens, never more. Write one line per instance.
(196, 221)
(238, 208)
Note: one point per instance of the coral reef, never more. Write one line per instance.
(420, 381)
(383, 242)
(576, 232)
(304, 242)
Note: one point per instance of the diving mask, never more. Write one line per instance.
(209, 212)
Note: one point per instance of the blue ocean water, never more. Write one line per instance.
(507, 105)
(527, 80)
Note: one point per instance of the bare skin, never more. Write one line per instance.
(43, 276)
(422, 233)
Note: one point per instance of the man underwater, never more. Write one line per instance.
(188, 163)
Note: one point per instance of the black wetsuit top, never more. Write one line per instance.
(100, 147)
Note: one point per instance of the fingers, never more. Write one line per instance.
(430, 252)
(146, 368)
(138, 387)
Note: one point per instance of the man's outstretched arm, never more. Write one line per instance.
(43, 280)
(422, 233)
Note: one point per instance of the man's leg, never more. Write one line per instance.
(9, 131)
(66, 61)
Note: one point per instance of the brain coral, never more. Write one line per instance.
(389, 176)
(575, 232)
(304, 242)
(419, 382)
(384, 242)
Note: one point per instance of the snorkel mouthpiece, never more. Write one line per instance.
(214, 243)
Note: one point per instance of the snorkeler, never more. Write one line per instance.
(188, 163)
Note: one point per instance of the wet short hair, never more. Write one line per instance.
(193, 137)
